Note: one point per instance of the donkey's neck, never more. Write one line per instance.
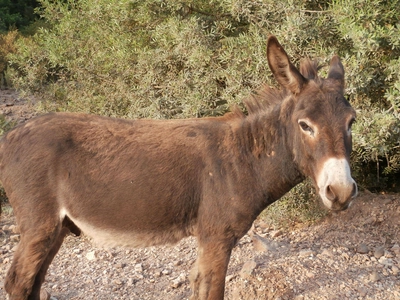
(266, 147)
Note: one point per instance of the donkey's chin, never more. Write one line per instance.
(337, 205)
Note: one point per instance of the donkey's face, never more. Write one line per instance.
(319, 127)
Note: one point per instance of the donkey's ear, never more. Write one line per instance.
(285, 73)
(336, 70)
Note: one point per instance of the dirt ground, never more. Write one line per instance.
(353, 254)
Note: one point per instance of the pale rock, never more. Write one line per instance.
(395, 270)
(310, 274)
(306, 252)
(276, 233)
(176, 283)
(177, 263)
(362, 291)
(385, 261)
(262, 244)
(14, 229)
(248, 269)
(91, 255)
(388, 254)
(138, 268)
(374, 276)
(166, 271)
(327, 252)
(44, 295)
(14, 238)
(396, 249)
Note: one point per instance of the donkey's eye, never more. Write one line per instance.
(306, 128)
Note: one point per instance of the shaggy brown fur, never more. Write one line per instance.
(148, 182)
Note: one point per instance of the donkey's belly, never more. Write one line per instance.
(110, 236)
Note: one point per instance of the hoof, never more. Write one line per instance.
(44, 295)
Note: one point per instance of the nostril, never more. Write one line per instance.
(354, 191)
(330, 194)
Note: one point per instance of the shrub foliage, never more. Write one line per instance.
(175, 59)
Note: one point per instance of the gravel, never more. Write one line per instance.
(349, 255)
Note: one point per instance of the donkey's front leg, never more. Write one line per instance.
(207, 277)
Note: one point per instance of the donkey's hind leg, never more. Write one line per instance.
(31, 259)
(39, 278)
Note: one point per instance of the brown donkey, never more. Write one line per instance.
(151, 182)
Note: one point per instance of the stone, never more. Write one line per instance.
(379, 252)
(374, 276)
(388, 254)
(118, 282)
(138, 268)
(14, 238)
(385, 261)
(362, 249)
(396, 249)
(166, 271)
(306, 252)
(362, 291)
(327, 252)
(44, 295)
(310, 274)
(91, 255)
(395, 270)
(248, 269)
(177, 263)
(262, 244)
(14, 229)
(176, 283)
(119, 265)
(276, 233)
(157, 273)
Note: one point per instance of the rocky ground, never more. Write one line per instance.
(353, 254)
(349, 255)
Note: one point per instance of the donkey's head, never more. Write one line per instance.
(318, 120)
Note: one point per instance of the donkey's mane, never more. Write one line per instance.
(266, 97)
(309, 69)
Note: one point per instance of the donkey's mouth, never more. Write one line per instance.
(340, 206)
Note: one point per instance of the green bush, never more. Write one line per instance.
(169, 59)
(16, 13)
(300, 205)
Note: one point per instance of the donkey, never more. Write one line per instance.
(149, 182)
